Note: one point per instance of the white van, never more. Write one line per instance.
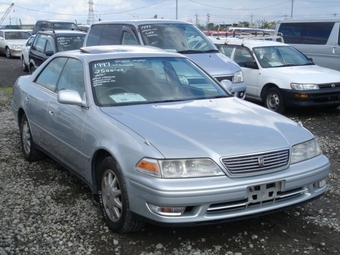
(174, 36)
(318, 39)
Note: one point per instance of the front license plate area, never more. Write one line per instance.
(263, 192)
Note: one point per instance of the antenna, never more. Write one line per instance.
(90, 19)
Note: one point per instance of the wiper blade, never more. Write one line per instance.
(210, 51)
(189, 51)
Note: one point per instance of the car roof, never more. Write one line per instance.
(91, 53)
(248, 42)
(15, 30)
(59, 21)
(61, 32)
(142, 21)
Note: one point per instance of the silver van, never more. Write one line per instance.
(173, 36)
(318, 39)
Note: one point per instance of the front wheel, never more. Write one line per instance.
(8, 53)
(273, 100)
(31, 153)
(113, 199)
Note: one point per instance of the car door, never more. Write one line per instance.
(37, 99)
(41, 44)
(66, 121)
(244, 58)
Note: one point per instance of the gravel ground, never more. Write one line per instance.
(46, 210)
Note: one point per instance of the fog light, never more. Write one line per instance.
(166, 211)
(320, 184)
(301, 95)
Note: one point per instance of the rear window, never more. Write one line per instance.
(104, 35)
(306, 33)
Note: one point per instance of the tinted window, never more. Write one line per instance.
(306, 33)
(104, 35)
(72, 77)
(48, 78)
(39, 43)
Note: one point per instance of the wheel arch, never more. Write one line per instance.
(97, 159)
(265, 89)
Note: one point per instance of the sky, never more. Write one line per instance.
(195, 11)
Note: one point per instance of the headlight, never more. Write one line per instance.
(179, 168)
(304, 151)
(14, 46)
(238, 77)
(302, 86)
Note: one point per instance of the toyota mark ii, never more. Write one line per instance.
(158, 140)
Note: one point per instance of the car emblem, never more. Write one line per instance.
(333, 85)
(260, 160)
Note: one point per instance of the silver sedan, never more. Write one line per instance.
(159, 140)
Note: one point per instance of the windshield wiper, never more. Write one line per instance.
(189, 51)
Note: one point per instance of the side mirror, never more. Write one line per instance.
(251, 64)
(49, 53)
(69, 96)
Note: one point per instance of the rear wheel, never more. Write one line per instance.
(8, 53)
(23, 65)
(32, 69)
(273, 100)
(31, 153)
(113, 199)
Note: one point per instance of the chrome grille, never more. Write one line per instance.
(256, 163)
(230, 78)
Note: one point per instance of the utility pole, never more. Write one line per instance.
(176, 9)
(291, 10)
(90, 19)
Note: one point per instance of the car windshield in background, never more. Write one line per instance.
(65, 26)
(65, 43)
(150, 80)
(176, 38)
(280, 56)
(17, 35)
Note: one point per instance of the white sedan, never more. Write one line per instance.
(25, 49)
(281, 76)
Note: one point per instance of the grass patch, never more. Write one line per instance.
(7, 90)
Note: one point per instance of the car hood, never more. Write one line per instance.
(303, 74)
(221, 127)
(17, 42)
(216, 64)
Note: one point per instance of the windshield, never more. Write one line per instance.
(279, 56)
(19, 35)
(150, 80)
(181, 38)
(65, 43)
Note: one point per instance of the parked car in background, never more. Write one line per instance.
(42, 25)
(173, 36)
(24, 56)
(11, 41)
(46, 43)
(159, 140)
(281, 76)
(316, 38)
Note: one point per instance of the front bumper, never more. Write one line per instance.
(322, 97)
(218, 199)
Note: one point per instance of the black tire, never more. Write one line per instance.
(31, 153)
(31, 69)
(23, 65)
(8, 53)
(273, 100)
(113, 199)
